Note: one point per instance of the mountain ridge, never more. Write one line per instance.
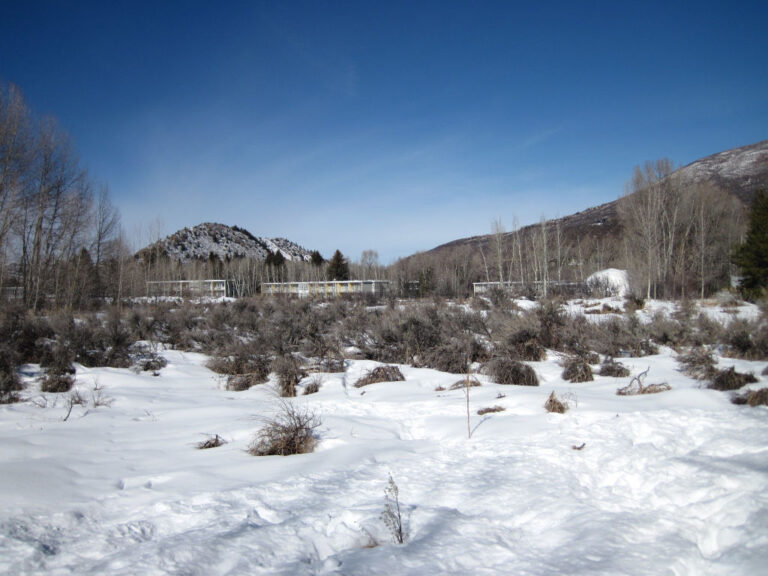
(740, 171)
(225, 243)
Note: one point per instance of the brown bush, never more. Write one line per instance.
(524, 345)
(212, 442)
(453, 356)
(57, 383)
(613, 369)
(461, 384)
(554, 404)
(291, 431)
(242, 382)
(753, 398)
(577, 370)
(729, 379)
(698, 363)
(508, 371)
(490, 410)
(289, 374)
(10, 384)
(381, 374)
(240, 358)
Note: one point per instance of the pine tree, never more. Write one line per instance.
(338, 267)
(317, 259)
(752, 255)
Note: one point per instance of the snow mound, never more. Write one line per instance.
(609, 282)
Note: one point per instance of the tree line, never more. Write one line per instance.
(61, 243)
(59, 232)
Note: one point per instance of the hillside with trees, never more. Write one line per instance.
(674, 230)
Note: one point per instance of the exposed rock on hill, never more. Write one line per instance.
(226, 243)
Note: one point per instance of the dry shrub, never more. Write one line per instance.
(666, 330)
(524, 345)
(313, 386)
(211, 442)
(698, 363)
(729, 379)
(381, 374)
(289, 374)
(453, 356)
(242, 382)
(57, 383)
(10, 383)
(490, 410)
(753, 398)
(552, 321)
(636, 386)
(241, 359)
(151, 362)
(466, 382)
(508, 371)
(738, 336)
(291, 431)
(577, 370)
(555, 404)
(614, 369)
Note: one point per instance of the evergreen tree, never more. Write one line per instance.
(275, 259)
(338, 267)
(752, 255)
(316, 258)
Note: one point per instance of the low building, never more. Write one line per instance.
(191, 288)
(326, 289)
(536, 287)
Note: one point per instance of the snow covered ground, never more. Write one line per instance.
(672, 483)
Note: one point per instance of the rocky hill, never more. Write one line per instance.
(740, 171)
(226, 243)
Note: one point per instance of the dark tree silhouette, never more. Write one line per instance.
(338, 267)
(752, 255)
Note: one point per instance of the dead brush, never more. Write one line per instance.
(313, 386)
(289, 374)
(698, 363)
(753, 398)
(381, 374)
(636, 387)
(290, 431)
(465, 383)
(57, 383)
(211, 442)
(524, 345)
(555, 404)
(577, 370)
(613, 369)
(490, 410)
(242, 382)
(507, 371)
(729, 379)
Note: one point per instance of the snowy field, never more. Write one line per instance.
(672, 483)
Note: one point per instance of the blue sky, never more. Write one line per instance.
(393, 126)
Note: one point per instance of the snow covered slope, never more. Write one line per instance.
(673, 483)
(226, 242)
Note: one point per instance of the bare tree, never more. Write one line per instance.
(14, 154)
(642, 214)
(498, 241)
(369, 262)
